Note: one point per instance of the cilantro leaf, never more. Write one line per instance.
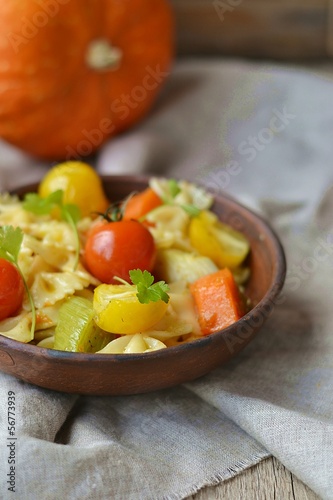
(174, 188)
(139, 277)
(192, 210)
(10, 244)
(148, 291)
(42, 206)
(69, 212)
(158, 291)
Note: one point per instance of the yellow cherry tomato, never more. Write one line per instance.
(118, 309)
(221, 243)
(80, 183)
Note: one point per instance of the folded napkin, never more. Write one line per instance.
(262, 133)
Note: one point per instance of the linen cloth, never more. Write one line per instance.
(264, 134)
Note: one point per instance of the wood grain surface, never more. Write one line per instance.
(268, 480)
(281, 29)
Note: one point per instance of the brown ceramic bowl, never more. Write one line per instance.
(109, 374)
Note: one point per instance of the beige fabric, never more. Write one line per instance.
(275, 125)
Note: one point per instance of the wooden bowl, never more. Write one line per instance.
(122, 374)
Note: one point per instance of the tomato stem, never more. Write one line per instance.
(115, 211)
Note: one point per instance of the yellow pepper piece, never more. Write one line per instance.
(118, 310)
(212, 238)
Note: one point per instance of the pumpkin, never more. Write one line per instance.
(75, 72)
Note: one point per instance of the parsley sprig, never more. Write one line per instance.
(44, 206)
(10, 244)
(147, 290)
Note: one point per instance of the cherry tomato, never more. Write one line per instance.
(114, 248)
(11, 289)
(80, 183)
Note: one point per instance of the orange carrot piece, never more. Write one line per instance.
(217, 300)
(142, 203)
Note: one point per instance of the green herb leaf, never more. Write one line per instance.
(174, 188)
(192, 210)
(148, 291)
(10, 244)
(141, 277)
(70, 211)
(42, 206)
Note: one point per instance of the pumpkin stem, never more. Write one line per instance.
(101, 55)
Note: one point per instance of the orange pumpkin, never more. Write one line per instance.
(75, 72)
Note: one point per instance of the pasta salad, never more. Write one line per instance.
(149, 272)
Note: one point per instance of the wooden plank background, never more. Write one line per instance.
(268, 480)
(277, 29)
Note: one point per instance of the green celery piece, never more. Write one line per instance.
(76, 330)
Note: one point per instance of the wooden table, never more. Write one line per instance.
(280, 29)
(268, 480)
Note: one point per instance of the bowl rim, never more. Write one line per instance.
(271, 294)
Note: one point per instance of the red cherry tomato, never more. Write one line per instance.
(11, 289)
(114, 248)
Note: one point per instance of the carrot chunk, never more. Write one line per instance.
(217, 300)
(141, 203)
